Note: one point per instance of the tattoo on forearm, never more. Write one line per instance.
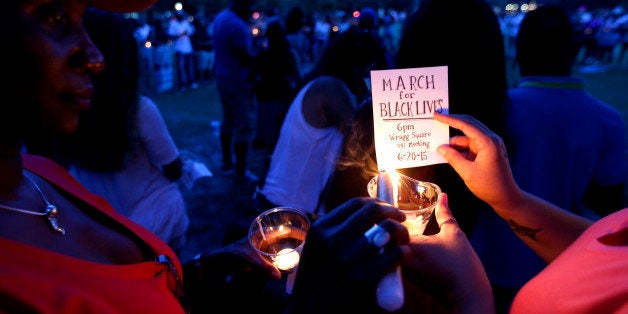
(523, 230)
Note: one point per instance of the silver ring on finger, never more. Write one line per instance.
(449, 220)
(377, 236)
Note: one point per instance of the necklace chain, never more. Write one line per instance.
(50, 213)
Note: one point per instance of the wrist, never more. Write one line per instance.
(210, 268)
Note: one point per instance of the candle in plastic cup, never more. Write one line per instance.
(278, 234)
(417, 199)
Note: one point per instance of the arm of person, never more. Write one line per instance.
(174, 170)
(172, 30)
(244, 54)
(339, 269)
(157, 141)
(208, 275)
(481, 160)
(190, 29)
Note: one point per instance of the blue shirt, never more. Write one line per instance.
(230, 32)
(560, 139)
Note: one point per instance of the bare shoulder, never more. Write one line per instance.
(328, 101)
(326, 85)
(328, 90)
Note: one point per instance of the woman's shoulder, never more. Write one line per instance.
(146, 106)
(330, 84)
(327, 102)
(145, 101)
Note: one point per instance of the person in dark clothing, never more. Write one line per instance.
(234, 57)
(276, 75)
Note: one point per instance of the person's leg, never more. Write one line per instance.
(190, 70)
(241, 150)
(201, 58)
(243, 133)
(181, 78)
(226, 92)
(264, 119)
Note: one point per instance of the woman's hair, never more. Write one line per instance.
(276, 36)
(106, 138)
(295, 20)
(359, 146)
(349, 57)
(546, 42)
(465, 36)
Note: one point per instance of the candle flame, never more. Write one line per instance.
(286, 259)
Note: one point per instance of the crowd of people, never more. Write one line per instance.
(73, 242)
(601, 36)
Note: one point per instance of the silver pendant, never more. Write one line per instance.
(51, 212)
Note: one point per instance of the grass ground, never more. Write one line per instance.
(219, 209)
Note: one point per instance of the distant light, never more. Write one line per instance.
(148, 44)
(512, 7)
(356, 14)
(255, 31)
(335, 28)
(524, 7)
(255, 15)
(178, 6)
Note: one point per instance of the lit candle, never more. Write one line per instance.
(390, 295)
(286, 259)
(416, 199)
(385, 188)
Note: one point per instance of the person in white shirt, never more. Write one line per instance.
(181, 30)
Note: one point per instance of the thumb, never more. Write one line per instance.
(442, 212)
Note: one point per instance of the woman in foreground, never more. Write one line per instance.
(66, 250)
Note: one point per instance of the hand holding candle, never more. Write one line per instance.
(417, 200)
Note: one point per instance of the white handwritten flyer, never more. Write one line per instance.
(404, 102)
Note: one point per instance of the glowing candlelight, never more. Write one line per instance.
(414, 226)
(286, 259)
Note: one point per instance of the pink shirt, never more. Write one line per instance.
(591, 276)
